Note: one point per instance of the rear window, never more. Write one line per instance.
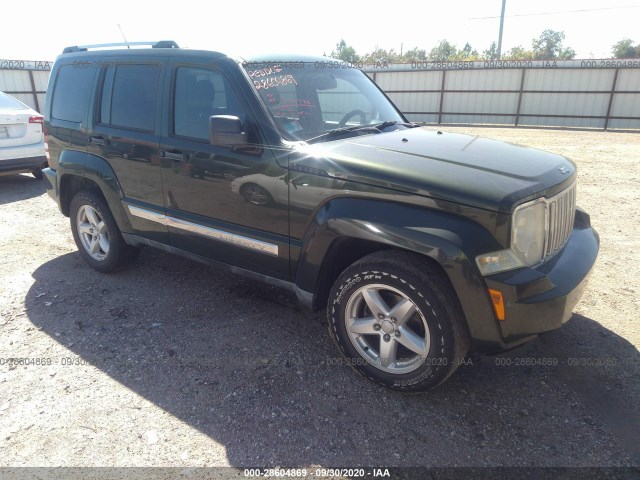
(71, 93)
(7, 101)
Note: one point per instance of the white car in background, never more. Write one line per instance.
(21, 138)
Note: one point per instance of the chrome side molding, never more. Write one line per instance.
(204, 231)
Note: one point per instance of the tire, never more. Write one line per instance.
(256, 194)
(401, 301)
(37, 173)
(97, 235)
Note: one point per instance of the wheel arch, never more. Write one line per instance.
(346, 229)
(82, 171)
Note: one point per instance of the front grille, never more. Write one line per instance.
(561, 213)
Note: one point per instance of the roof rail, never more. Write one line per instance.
(84, 48)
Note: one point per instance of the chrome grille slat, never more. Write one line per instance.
(561, 211)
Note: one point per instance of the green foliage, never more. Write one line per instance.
(548, 46)
(443, 51)
(625, 49)
(380, 55)
(345, 52)
(414, 55)
(491, 53)
(518, 53)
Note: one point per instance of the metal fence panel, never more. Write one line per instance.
(482, 119)
(416, 102)
(41, 79)
(569, 104)
(479, 102)
(569, 79)
(562, 122)
(15, 81)
(625, 105)
(628, 80)
(483, 80)
(571, 93)
(26, 80)
(400, 81)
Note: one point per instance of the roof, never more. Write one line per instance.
(169, 47)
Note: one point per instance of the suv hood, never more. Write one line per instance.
(475, 171)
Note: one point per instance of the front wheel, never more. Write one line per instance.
(96, 233)
(397, 321)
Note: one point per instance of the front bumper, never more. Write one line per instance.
(540, 299)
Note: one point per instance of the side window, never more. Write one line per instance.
(129, 96)
(71, 93)
(199, 94)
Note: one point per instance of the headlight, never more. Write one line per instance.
(528, 231)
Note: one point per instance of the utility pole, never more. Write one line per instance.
(504, 3)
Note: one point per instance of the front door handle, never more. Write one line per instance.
(175, 156)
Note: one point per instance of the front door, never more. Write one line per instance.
(225, 204)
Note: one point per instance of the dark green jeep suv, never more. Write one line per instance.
(300, 172)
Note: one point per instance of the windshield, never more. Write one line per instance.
(308, 99)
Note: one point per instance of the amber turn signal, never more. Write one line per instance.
(498, 303)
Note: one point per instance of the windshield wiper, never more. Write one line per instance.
(375, 127)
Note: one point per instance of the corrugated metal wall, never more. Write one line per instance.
(577, 93)
(26, 80)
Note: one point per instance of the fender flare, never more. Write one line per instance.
(97, 170)
(450, 240)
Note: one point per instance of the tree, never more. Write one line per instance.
(518, 53)
(443, 52)
(380, 55)
(491, 53)
(625, 49)
(549, 47)
(414, 55)
(345, 52)
(467, 53)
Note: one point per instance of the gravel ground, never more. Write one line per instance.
(171, 363)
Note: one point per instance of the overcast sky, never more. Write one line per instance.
(39, 30)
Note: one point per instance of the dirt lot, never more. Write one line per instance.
(171, 363)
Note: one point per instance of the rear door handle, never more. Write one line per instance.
(98, 140)
(175, 156)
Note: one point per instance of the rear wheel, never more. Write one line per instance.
(397, 321)
(96, 233)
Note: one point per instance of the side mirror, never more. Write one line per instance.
(226, 131)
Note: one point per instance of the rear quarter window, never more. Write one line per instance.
(71, 93)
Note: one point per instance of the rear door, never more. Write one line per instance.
(225, 204)
(125, 132)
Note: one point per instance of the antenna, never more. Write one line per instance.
(125, 38)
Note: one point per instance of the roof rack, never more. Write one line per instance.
(84, 48)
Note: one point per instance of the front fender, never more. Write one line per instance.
(450, 240)
(97, 170)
